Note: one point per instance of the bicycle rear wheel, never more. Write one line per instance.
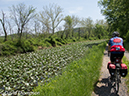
(117, 87)
(117, 81)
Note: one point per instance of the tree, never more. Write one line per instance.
(68, 25)
(75, 21)
(87, 23)
(51, 16)
(21, 15)
(117, 14)
(101, 29)
(2, 20)
(45, 20)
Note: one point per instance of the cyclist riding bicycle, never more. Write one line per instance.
(115, 47)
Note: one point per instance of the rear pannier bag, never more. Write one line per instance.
(123, 70)
(111, 68)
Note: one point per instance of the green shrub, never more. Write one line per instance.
(126, 45)
(48, 44)
(34, 41)
(59, 43)
(74, 39)
(91, 38)
(127, 36)
(60, 40)
(1, 40)
(27, 47)
(51, 40)
(10, 42)
(69, 40)
(64, 41)
(7, 49)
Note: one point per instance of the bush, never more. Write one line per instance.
(7, 49)
(27, 47)
(74, 40)
(48, 44)
(11, 42)
(52, 41)
(34, 42)
(91, 38)
(60, 40)
(127, 36)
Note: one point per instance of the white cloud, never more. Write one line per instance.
(75, 10)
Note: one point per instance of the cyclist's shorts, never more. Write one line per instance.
(116, 54)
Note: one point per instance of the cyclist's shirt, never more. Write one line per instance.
(116, 41)
(116, 44)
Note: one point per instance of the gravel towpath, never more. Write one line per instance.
(103, 87)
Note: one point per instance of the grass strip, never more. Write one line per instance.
(126, 61)
(77, 78)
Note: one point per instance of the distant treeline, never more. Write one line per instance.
(25, 30)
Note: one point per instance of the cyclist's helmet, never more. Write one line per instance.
(115, 34)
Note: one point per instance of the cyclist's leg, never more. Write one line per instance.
(120, 55)
(112, 57)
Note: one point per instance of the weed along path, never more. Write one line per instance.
(103, 86)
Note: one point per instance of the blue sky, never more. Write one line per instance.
(80, 8)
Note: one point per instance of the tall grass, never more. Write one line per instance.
(78, 78)
(126, 61)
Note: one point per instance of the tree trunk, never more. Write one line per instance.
(53, 31)
(20, 36)
(5, 32)
(79, 33)
(62, 35)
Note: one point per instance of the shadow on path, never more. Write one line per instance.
(104, 88)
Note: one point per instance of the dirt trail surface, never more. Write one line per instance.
(127, 54)
(103, 87)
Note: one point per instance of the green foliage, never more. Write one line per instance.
(68, 20)
(26, 46)
(24, 71)
(1, 39)
(12, 47)
(126, 45)
(34, 41)
(52, 41)
(91, 38)
(126, 61)
(127, 36)
(41, 42)
(7, 49)
(78, 78)
(74, 39)
(63, 41)
(117, 14)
